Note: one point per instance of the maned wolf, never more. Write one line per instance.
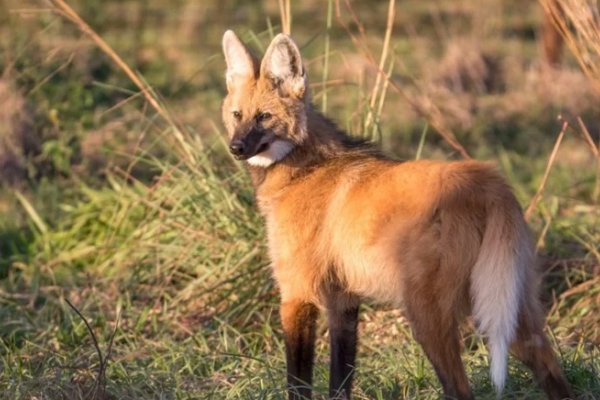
(344, 222)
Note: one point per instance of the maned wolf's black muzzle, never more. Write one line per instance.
(247, 144)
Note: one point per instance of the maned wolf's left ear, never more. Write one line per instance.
(241, 65)
(282, 65)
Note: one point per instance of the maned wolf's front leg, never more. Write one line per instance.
(299, 320)
(343, 320)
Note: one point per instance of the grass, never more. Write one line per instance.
(164, 250)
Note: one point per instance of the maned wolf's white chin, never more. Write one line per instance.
(276, 151)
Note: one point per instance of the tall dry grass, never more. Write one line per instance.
(578, 21)
(63, 8)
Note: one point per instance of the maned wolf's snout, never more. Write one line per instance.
(247, 144)
(237, 148)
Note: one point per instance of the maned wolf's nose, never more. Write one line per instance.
(237, 147)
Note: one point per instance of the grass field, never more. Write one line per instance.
(122, 214)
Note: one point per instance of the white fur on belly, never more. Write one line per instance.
(276, 151)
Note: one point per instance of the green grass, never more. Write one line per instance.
(114, 218)
(183, 263)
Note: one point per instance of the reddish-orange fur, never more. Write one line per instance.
(345, 223)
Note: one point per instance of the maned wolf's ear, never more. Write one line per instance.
(282, 65)
(240, 63)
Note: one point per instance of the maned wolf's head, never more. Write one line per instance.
(265, 108)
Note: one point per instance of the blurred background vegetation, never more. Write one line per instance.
(144, 223)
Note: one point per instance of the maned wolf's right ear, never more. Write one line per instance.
(240, 63)
(282, 65)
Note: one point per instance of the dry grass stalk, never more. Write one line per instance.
(426, 109)
(326, 56)
(285, 14)
(551, 39)
(98, 390)
(378, 88)
(361, 42)
(588, 138)
(596, 151)
(538, 195)
(65, 10)
(578, 21)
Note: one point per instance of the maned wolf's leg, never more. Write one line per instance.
(532, 348)
(438, 335)
(343, 320)
(299, 320)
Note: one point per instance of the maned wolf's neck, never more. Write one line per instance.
(325, 142)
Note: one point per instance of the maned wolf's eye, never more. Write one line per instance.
(263, 116)
(237, 115)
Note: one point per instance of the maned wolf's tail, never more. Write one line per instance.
(497, 282)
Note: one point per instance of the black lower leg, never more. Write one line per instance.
(299, 320)
(342, 329)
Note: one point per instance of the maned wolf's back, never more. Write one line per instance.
(372, 223)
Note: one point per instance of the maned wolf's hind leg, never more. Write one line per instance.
(343, 320)
(439, 336)
(532, 348)
(299, 320)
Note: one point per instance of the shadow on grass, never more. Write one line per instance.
(14, 247)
